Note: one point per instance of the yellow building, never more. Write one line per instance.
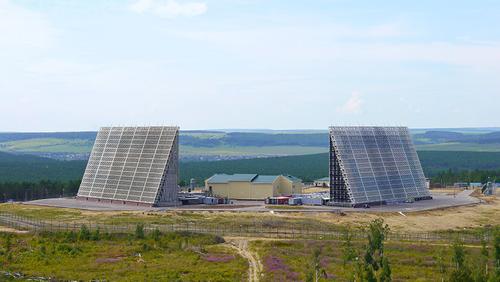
(252, 186)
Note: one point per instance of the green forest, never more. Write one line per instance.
(30, 177)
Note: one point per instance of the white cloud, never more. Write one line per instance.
(169, 8)
(141, 6)
(353, 105)
(22, 29)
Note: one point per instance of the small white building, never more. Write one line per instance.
(475, 185)
(322, 182)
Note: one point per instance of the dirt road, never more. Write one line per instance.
(254, 264)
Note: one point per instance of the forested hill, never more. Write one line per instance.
(311, 167)
(307, 167)
(32, 168)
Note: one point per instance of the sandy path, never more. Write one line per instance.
(254, 264)
(11, 230)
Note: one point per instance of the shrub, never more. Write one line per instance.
(348, 252)
(70, 237)
(84, 234)
(8, 243)
(139, 231)
(156, 234)
(68, 250)
(96, 235)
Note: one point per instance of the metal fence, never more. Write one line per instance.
(259, 230)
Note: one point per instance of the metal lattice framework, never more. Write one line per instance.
(133, 165)
(374, 165)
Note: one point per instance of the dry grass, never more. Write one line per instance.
(310, 190)
(456, 218)
(11, 230)
(447, 191)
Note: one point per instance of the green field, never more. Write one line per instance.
(80, 256)
(48, 145)
(198, 257)
(468, 147)
(216, 145)
(291, 260)
(85, 254)
(245, 151)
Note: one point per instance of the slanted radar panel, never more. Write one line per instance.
(133, 164)
(374, 165)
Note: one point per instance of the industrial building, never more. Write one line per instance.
(374, 165)
(322, 182)
(252, 186)
(133, 165)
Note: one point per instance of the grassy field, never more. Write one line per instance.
(187, 151)
(290, 260)
(469, 147)
(454, 219)
(195, 257)
(48, 145)
(120, 257)
(219, 144)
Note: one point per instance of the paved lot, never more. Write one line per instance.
(85, 205)
(439, 201)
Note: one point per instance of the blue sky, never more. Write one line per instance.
(78, 65)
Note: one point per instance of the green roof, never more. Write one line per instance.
(255, 178)
(293, 178)
(265, 178)
(323, 179)
(225, 178)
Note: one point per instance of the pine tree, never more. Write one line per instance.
(385, 275)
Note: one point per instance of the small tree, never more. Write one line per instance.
(461, 271)
(440, 261)
(496, 248)
(370, 274)
(96, 236)
(373, 259)
(316, 271)
(376, 236)
(480, 271)
(458, 258)
(70, 236)
(139, 231)
(385, 275)
(348, 253)
(8, 243)
(358, 275)
(156, 234)
(84, 233)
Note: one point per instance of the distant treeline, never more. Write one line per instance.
(26, 191)
(32, 168)
(311, 167)
(434, 162)
(435, 137)
(450, 177)
(29, 177)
